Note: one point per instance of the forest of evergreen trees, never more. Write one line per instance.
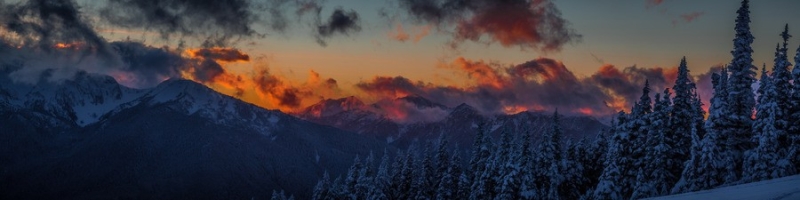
(665, 145)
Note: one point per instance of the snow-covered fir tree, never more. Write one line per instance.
(656, 178)
(528, 187)
(322, 189)
(794, 115)
(551, 159)
(575, 182)
(610, 182)
(425, 178)
(508, 168)
(682, 117)
(781, 78)
(741, 99)
(481, 167)
(762, 163)
(281, 196)
(638, 126)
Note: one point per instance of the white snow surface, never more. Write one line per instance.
(785, 188)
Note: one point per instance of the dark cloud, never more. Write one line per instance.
(340, 21)
(228, 19)
(148, 65)
(43, 24)
(527, 24)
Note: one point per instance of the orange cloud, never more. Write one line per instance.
(399, 33)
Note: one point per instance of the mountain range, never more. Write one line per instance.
(423, 119)
(90, 137)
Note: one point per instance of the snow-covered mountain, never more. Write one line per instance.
(459, 123)
(81, 99)
(89, 137)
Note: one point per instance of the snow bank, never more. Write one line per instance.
(777, 189)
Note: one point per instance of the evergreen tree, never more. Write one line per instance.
(638, 126)
(463, 185)
(683, 117)
(425, 184)
(382, 179)
(508, 181)
(794, 115)
(574, 183)
(625, 164)
(656, 178)
(552, 159)
(781, 78)
(365, 185)
(482, 184)
(442, 166)
(741, 100)
(322, 189)
(610, 186)
(280, 196)
(761, 163)
(449, 185)
(594, 158)
(528, 189)
(349, 187)
(692, 170)
(396, 180)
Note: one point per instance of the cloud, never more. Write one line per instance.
(405, 112)
(527, 24)
(43, 24)
(340, 22)
(146, 66)
(400, 34)
(689, 17)
(534, 85)
(221, 19)
(653, 3)
(220, 54)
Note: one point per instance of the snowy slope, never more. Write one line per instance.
(778, 189)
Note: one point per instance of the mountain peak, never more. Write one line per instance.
(463, 109)
(421, 102)
(328, 107)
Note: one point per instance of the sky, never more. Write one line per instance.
(587, 57)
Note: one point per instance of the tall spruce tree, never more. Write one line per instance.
(694, 173)
(683, 116)
(794, 115)
(741, 100)
(762, 163)
(656, 176)
(552, 158)
(781, 78)
(715, 127)
(322, 189)
(611, 180)
(481, 168)
(638, 126)
(528, 189)
(508, 181)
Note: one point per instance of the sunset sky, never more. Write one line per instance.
(392, 42)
